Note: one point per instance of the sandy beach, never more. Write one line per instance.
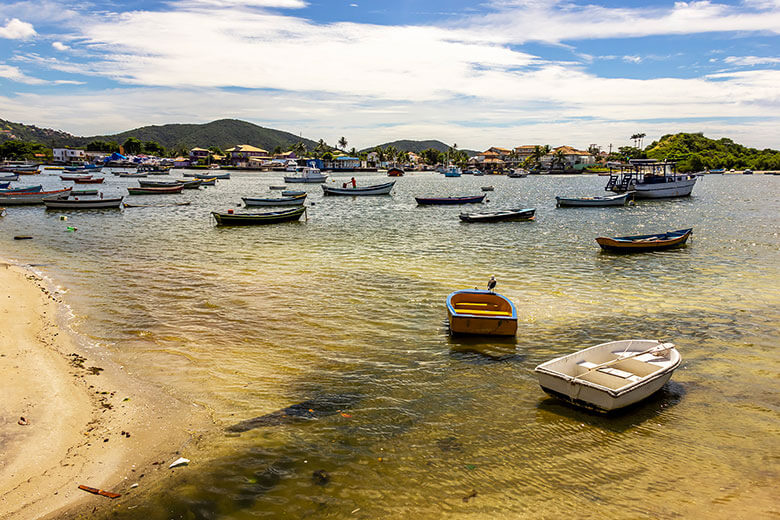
(69, 416)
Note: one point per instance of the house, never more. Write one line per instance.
(494, 159)
(181, 162)
(345, 162)
(240, 155)
(67, 155)
(523, 152)
(199, 154)
(573, 159)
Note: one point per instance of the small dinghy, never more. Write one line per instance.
(506, 215)
(481, 312)
(278, 201)
(487, 188)
(377, 189)
(610, 200)
(612, 375)
(433, 201)
(254, 219)
(643, 243)
(292, 193)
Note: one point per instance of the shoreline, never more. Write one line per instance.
(85, 420)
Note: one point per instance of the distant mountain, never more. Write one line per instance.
(695, 152)
(406, 145)
(223, 133)
(21, 132)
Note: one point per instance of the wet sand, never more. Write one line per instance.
(69, 416)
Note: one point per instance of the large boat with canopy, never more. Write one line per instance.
(650, 179)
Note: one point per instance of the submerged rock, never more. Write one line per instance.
(316, 408)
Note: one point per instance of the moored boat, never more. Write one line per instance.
(292, 193)
(452, 171)
(155, 191)
(131, 175)
(22, 198)
(157, 184)
(611, 375)
(9, 176)
(651, 179)
(643, 243)
(610, 200)
(253, 219)
(487, 188)
(22, 189)
(91, 180)
(193, 184)
(422, 201)
(97, 203)
(506, 215)
(517, 174)
(395, 172)
(472, 311)
(377, 189)
(211, 181)
(297, 200)
(306, 175)
(73, 177)
(78, 193)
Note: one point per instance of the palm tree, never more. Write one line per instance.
(353, 152)
(559, 158)
(342, 142)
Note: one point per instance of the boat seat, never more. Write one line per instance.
(487, 313)
(459, 304)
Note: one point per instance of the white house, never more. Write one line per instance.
(66, 155)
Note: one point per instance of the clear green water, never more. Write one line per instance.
(348, 308)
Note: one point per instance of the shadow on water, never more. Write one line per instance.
(484, 349)
(619, 421)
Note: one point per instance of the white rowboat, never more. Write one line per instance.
(612, 375)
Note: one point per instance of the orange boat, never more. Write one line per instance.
(481, 312)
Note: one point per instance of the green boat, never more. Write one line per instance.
(254, 219)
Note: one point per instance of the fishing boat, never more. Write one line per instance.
(610, 376)
(487, 188)
(112, 203)
(507, 215)
(9, 176)
(4, 185)
(131, 175)
(377, 189)
(253, 219)
(395, 172)
(157, 184)
(156, 205)
(153, 169)
(155, 191)
(28, 198)
(452, 171)
(53, 167)
(651, 179)
(211, 181)
(472, 311)
(277, 187)
(307, 175)
(423, 201)
(200, 175)
(297, 200)
(643, 243)
(517, 174)
(193, 184)
(78, 193)
(91, 180)
(20, 169)
(292, 193)
(609, 200)
(91, 167)
(22, 189)
(73, 177)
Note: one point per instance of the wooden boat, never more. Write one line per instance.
(22, 198)
(53, 167)
(152, 169)
(297, 200)
(506, 215)
(472, 311)
(279, 187)
(23, 189)
(132, 175)
(9, 176)
(157, 184)
(395, 172)
(517, 174)
(487, 188)
(449, 200)
(377, 189)
(155, 191)
(452, 171)
(199, 175)
(93, 180)
(73, 177)
(156, 205)
(642, 243)
(612, 375)
(78, 193)
(112, 203)
(4, 185)
(253, 219)
(292, 193)
(26, 172)
(85, 167)
(306, 175)
(211, 181)
(610, 200)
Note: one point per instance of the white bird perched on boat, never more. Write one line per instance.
(491, 283)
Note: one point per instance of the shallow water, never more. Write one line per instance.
(347, 309)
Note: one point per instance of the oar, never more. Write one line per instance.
(617, 360)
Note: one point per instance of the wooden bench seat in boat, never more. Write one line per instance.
(485, 313)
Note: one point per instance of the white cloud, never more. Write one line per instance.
(632, 59)
(16, 29)
(750, 61)
(15, 74)
(60, 46)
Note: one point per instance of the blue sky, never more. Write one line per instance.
(497, 72)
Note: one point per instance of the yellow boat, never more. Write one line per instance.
(53, 167)
(473, 311)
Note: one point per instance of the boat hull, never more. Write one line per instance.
(447, 201)
(379, 189)
(615, 200)
(113, 203)
(663, 190)
(285, 201)
(499, 216)
(644, 243)
(25, 199)
(255, 219)
(306, 180)
(481, 313)
(155, 191)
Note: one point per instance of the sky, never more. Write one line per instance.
(472, 74)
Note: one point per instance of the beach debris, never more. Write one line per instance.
(320, 406)
(22, 421)
(320, 477)
(22, 237)
(471, 495)
(63, 217)
(181, 461)
(133, 486)
(96, 491)
(71, 229)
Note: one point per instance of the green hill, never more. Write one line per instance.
(223, 133)
(406, 145)
(694, 152)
